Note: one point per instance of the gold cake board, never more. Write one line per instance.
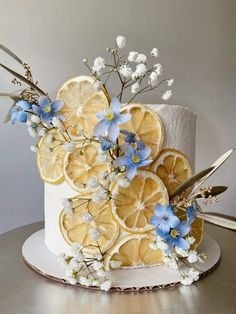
(40, 259)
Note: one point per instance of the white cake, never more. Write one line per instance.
(179, 127)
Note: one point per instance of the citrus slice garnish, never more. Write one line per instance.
(133, 206)
(196, 228)
(147, 126)
(81, 103)
(82, 164)
(75, 229)
(50, 157)
(172, 167)
(134, 250)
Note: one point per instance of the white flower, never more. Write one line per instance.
(190, 240)
(75, 248)
(194, 274)
(35, 119)
(101, 273)
(66, 203)
(71, 274)
(106, 285)
(154, 52)
(166, 95)
(92, 183)
(132, 56)
(85, 60)
(34, 148)
(112, 176)
(95, 282)
(124, 182)
(153, 78)
(32, 132)
(170, 261)
(72, 280)
(170, 82)
(49, 138)
(94, 234)
(56, 122)
(135, 88)
(69, 146)
(186, 280)
(140, 71)
(181, 252)
(99, 64)
(29, 123)
(125, 71)
(120, 41)
(102, 157)
(158, 68)
(41, 131)
(192, 256)
(85, 281)
(159, 243)
(97, 85)
(87, 217)
(97, 265)
(141, 58)
(115, 264)
(96, 197)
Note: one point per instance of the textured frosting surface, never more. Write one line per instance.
(179, 133)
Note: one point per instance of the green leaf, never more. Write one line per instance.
(215, 190)
(188, 183)
(219, 220)
(23, 79)
(10, 53)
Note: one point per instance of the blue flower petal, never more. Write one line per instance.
(37, 109)
(140, 145)
(131, 172)
(101, 127)
(164, 226)
(14, 117)
(127, 149)
(182, 243)
(145, 162)
(24, 105)
(22, 116)
(122, 118)
(183, 228)
(143, 153)
(100, 115)
(159, 210)
(122, 161)
(57, 105)
(115, 106)
(113, 132)
(43, 101)
(155, 221)
(174, 221)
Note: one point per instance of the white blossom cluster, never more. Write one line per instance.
(179, 259)
(132, 68)
(85, 270)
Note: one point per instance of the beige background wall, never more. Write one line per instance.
(197, 47)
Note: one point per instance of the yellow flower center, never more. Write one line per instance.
(47, 109)
(135, 158)
(174, 233)
(109, 116)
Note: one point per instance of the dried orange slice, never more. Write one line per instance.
(81, 103)
(50, 156)
(134, 250)
(82, 164)
(133, 206)
(147, 126)
(75, 229)
(172, 167)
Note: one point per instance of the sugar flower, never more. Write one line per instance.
(48, 110)
(132, 159)
(164, 218)
(120, 41)
(110, 120)
(141, 58)
(132, 56)
(154, 52)
(140, 71)
(99, 64)
(18, 113)
(125, 71)
(166, 95)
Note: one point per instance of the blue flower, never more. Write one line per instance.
(129, 136)
(132, 159)
(18, 111)
(110, 120)
(175, 236)
(164, 218)
(105, 143)
(191, 212)
(47, 110)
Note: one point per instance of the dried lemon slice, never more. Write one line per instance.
(147, 126)
(134, 250)
(81, 103)
(133, 206)
(50, 156)
(75, 229)
(172, 167)
(82, 164)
